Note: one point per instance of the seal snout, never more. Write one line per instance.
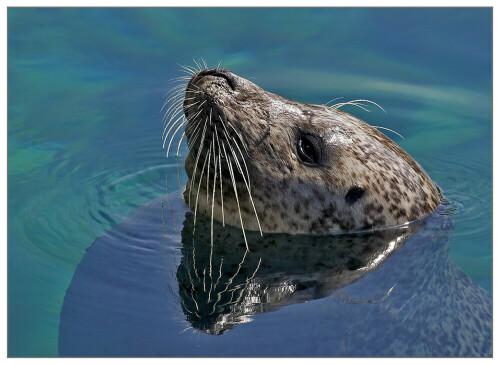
(219, 72)
(207, 91)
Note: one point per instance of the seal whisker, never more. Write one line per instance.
(190, 129)
(220, 272)
(187, 69)
(375, 126)
(193, 289)
(362, 106)
(190, 105)
(245, 181)
(193, 142)
(198, 68)
(181, 86)
(197, 159)
(175, 115)
(208, 165)
(213, 196)
(184, 307)
(204, 63)
(194, 261)
(191, 73)
(204, 276)
(198, 65)
(340, 105)
(189, 98)
(179, 144)
(247, 281)
(174, 93)
(241, 289)
(180, 125)
(181, 120)
(198, 154)
(195, 131)
(230, 166)
(190, 70)
(220, 174)
(235, 131)
(186, 329)
(212, 220)
(199, 106)
(230, 281)
(239, 137)
(208, 171)
(194, 301)
(196, 86)
(243, 159)
(352, 102)
(230, 301)
(194, 91)
(180, 78)
(175, 103)
(173, 111)
(173, 135)
(218, 65)
(227, 132)
(165, 134)
(340, 97)
(198, 193)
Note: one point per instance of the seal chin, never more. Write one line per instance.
(216, 168)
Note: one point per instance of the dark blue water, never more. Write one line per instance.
(85, 91)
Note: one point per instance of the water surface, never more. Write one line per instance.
(85, 90)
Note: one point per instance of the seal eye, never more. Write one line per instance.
(308, 149)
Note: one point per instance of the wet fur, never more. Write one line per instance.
(238, 130)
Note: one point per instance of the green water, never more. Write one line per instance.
(85, 88)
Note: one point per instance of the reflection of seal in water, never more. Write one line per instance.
(221, 285)
(119, 302)
(265, 162)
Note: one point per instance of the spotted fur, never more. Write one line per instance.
(363, 180)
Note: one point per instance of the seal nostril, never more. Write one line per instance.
(221, 72)
(354, 194)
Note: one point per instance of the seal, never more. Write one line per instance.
(264, 162)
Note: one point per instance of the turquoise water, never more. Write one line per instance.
(84, 125)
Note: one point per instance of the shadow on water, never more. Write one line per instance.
(153, 287)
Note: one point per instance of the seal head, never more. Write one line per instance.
(272, 164)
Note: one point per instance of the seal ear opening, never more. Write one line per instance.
(354, 194)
